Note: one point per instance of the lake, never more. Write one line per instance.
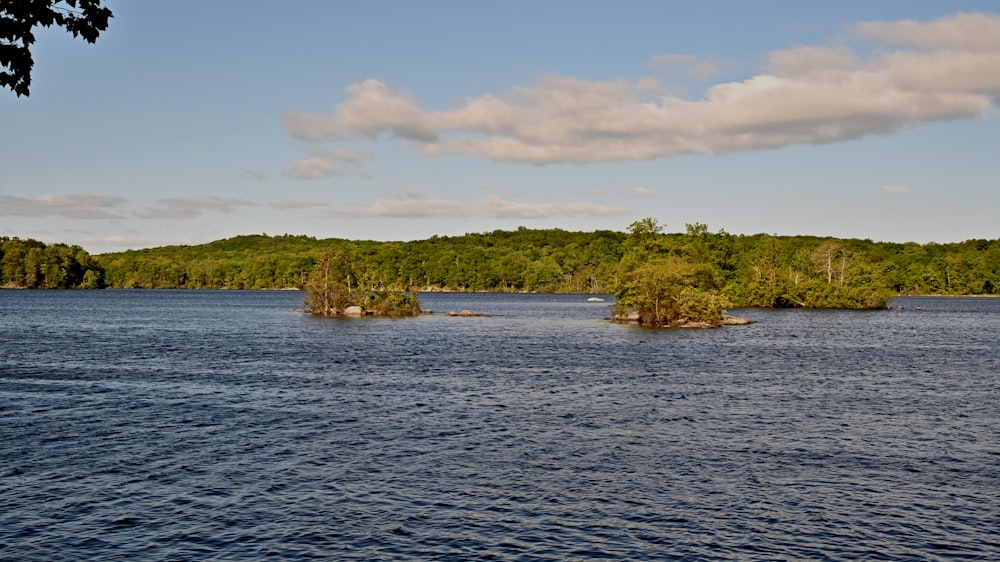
(227, 425)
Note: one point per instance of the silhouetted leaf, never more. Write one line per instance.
(86, 18)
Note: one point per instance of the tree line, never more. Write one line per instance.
(550, 260)
(749, 270)
(30, 264)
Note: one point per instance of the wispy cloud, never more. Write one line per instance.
(324, 162)
(309, 169)
(896, 190)
(255, 175)
(919, 73)
(634, 192)
(293, 203)
(697, 68)
(191, 207)
(78, 206)
(642, 192)
(132, 241)
(410, 192)
(493, 207)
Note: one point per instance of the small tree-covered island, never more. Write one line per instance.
(661, 286)
(657, 278)
(340, 285)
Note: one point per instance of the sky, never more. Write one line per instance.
(192, 121)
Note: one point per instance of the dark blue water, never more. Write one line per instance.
(172, 425)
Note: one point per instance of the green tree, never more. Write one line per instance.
(328, 288)
(659, 287)
(651, 289)
(765, 283)
(13, 273)
(340, 281)
(644, 240)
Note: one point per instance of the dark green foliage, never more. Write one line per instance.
(82, 18)
(755, 270)
(812, 273)
(669, 281)
(30, 264)
(525, 260)
(244, 262)
(793, 271)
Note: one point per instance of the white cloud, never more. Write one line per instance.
(309, 168)
(323, 162)
(371, 107)
(809, 61)
(119, 241)
(492, 206)
(185, 208)
(962, 31)
(76, 206)
(641, 192)
(896, 190)
(941, 70)
(292, 203)
(496, 207)
(405, 208)
(956, 54)
(945, 73)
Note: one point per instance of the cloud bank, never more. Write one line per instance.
(76, 206)
(190, 207)
(410, 202)
(491, 207)
(917, 73)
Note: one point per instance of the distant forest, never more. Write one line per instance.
(30, 264)
(751, 270)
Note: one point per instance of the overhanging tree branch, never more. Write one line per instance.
(81, 18)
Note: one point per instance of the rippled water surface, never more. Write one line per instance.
(190, 425)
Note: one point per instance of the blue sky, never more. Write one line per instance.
(191, 121)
